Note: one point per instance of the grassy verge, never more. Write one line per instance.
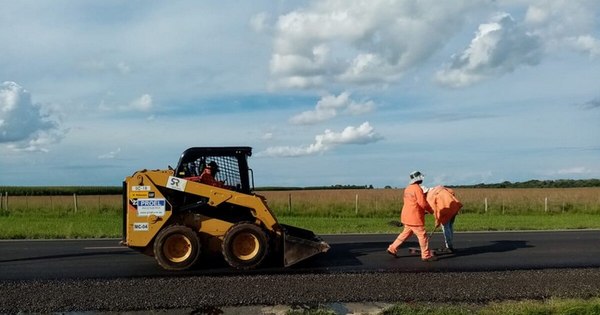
(99, 225)
(60, 226)
(525, 307)
(464, 222)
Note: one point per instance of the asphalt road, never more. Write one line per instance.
(48, 276)
(487, 251)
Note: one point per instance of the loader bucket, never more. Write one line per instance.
(300, 244)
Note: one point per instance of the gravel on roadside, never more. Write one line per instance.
(205, 292)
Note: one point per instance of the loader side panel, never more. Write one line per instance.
(147, 209)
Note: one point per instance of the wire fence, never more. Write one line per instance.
(346, 202)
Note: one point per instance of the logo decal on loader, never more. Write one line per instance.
(176, 183)
(148, 207)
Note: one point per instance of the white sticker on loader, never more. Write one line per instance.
(140, 188)
(176, 183)
(147, 207)
(140, 226)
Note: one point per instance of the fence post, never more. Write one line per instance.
(6, 201)
(486, 205)
(546, 204)
(290, 203)
(356, 204)
(75, 202)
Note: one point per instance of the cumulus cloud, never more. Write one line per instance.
(360, 42)
(362, 134)
(142, 103)
(586, 44)
(330, 106)
(567, 24)
(24, 126)
(499, 47)
(562, 18)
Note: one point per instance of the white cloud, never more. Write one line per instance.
(260, 22)
(499, 47)
(562, 18)
(123, 68)
(573, 171)
(267, 136)
(143, 103)
(586, 44)
(330, 106)
(110, 155)
(565, 24)
(362, 134)
(360, 42)
(23, 124)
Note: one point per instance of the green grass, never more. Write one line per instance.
(525, 307)
(60, 226)
(64, 224)
(464, 222)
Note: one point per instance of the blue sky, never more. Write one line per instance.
(326, 92)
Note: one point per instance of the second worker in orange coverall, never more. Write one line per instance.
(413, 217)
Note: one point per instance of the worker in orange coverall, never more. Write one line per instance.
(413, 217)
(208, 176)
(445, 207)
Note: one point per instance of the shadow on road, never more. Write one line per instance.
(495, 247)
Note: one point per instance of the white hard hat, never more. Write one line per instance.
(416, 176)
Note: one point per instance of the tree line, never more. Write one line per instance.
(560, 183)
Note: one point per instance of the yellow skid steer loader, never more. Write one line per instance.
(174, 215)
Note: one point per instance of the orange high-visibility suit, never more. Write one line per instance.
(444, 203)
(445, 208)
(206, 178)
(413, 218)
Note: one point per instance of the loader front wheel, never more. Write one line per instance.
(176, 247)
(245, 246)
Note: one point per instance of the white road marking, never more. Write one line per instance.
(107, 247)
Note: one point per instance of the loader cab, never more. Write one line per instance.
(232, 164)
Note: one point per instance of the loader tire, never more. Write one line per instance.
(176, 247)
(245, 246)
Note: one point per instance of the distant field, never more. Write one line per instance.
(388, 202)
(352, 202)
(324, 211)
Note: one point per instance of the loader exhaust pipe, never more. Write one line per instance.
(300, 244)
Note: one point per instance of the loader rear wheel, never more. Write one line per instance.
(245, 246)
(176, 247)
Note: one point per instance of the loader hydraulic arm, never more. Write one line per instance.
(217, 196)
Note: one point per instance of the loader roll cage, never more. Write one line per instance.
(232, 164)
